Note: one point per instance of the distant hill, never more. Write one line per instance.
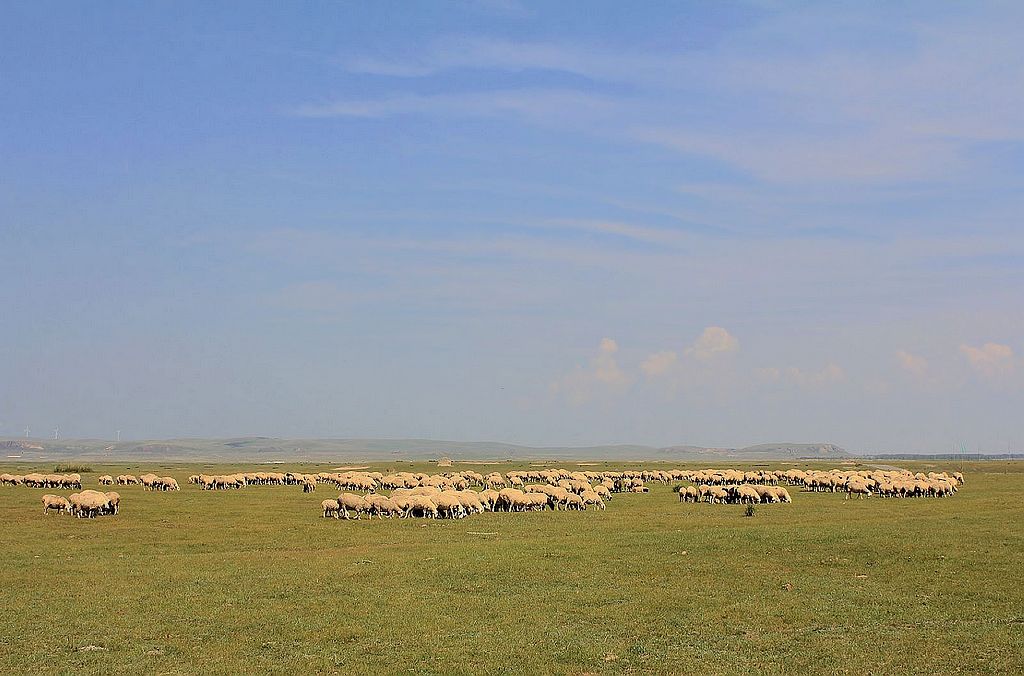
(269, 449)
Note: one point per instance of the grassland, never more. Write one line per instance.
(254, 581)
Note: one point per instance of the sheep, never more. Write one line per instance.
(353, 502)
(56, 502)
(489, 499)
(573, 501)
(331, 508)
(750, 495)
(106, 480)
(507, 498)
(858, 487)
(381, 505)
(449, 505)
(308, 486)
(592, 498)
(88, 503)
(470, 502)
(529, 502)
(113, 502)
(127, 480)
(423, 506)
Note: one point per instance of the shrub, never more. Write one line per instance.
(65, 468)
(749, 511)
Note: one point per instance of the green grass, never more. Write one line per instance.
(254, 580)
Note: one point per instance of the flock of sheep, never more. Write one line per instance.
(87, 504)
(886, 483)
(746, 494)
(455, 495)
(36, 480)
(149, 482)
(452, 495)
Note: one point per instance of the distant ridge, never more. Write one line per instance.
(267, 449)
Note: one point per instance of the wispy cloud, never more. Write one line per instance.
(534, 105)
(991, 359)
(490, 53)
(846, 114)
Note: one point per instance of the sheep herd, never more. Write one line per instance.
(87, 504)
(740, 486)
(747, 494)
(455, 495)
(886, 483)
(452, 495)
(36, 480)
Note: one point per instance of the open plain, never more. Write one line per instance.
(255, 579)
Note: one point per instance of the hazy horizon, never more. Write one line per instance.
(551, 225)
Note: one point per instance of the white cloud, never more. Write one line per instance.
(540, 106)
(991, 359)
(828, 110)
(912, 363)
(713, 342)
(659, 363)
(603, 375)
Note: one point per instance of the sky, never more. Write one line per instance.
(714, 223)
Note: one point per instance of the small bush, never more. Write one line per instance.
(71, 469)
(749, 511)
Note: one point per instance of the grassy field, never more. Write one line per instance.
(254, 580)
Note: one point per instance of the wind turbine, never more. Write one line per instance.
(56, 432)
(28, 432)
(119, 436)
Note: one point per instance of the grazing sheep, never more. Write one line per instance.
(88, 504)
(354, 503)
(57, 503)
(592, 498)
(113, 502)
(421, 505)
(573, 501)
(489, 499)
(169, 484)
(381, 506)
(106, 480)
(449, 505)
(857, 487)
(331, 508)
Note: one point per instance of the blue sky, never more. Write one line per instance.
(545, 223)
